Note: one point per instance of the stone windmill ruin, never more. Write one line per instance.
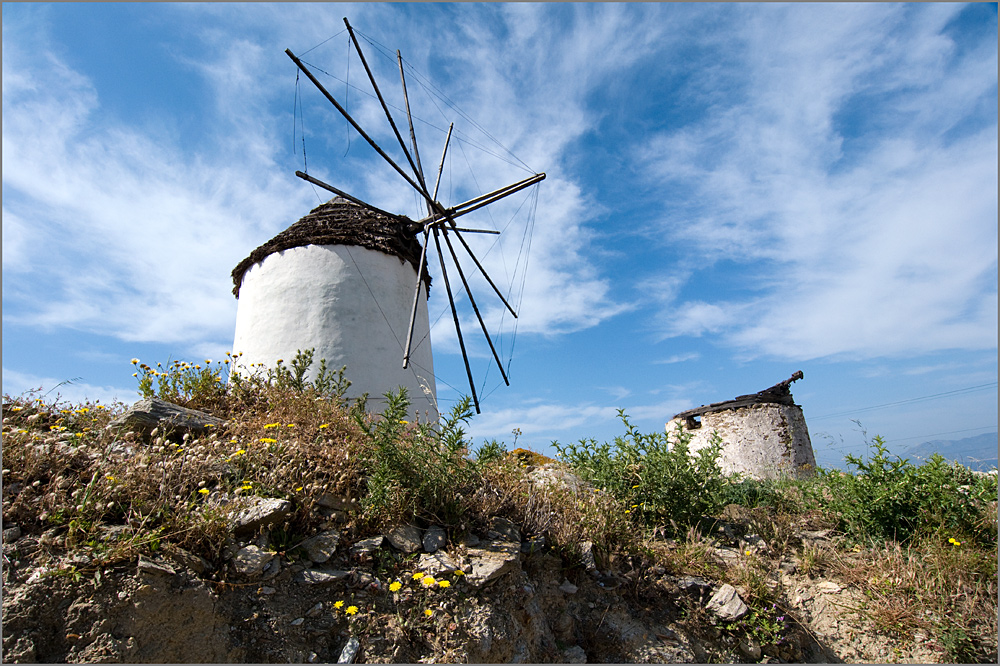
(764, 434)
(350, 280)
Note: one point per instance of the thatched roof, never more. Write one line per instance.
(779, 394)
(341, 222)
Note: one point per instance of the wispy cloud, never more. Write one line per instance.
(868, 247)
(69, 389)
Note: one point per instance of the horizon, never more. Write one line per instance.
(734, 193)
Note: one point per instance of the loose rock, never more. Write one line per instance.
(726, 604)
(320, 548)
(434, 538)
(405, 538)
(251, 560)
(261, 513)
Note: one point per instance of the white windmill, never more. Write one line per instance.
(350, 280)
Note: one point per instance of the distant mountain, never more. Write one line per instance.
(979, 452)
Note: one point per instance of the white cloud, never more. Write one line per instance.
(865, 242)
(67, 389)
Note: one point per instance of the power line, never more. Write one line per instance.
(968, 389)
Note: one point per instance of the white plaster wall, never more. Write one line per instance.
(763, 441)
(321, 296)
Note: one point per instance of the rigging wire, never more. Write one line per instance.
(434, 94)
(968, 389)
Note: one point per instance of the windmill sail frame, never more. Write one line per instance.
(440, 221)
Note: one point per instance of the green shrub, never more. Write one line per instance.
(659, 480)
(419, 470)
(888, 498)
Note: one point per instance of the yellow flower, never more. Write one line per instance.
(394, 586)
(268, 440)
(110, 478)
(204, 491)
(351, 610)
(290, 425)
(240, 452)
(427, 581)
(339, 604)
(272, 425)
(417, 576)
(428, 612)
(444, 583)
(324, 425)
(298, 489)
(404, 422)
(458, 572)
(135, 361)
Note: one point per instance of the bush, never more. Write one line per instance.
(892, 499)
(659, 480)
(416, 470)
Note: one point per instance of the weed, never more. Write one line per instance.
(658, 479)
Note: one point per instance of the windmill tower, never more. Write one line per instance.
(339, 281)
(350, 280)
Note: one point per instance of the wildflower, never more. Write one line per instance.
(444, 583)
(290, 425)
(428, 612)
(324, 425)
(135, 361)
(16, 409)
(110, 478)
(458, 572)
(417, 576)
(404, 422)
(298, 489)
(208, 360)
(635, 486)
(394, 586)
(748, 552)
(351, 610)
(627, 511)
(271, 425)
(268, 440)
(241, 452)
(955, 542)
(427, 581)
(203, 491)
(339, 604)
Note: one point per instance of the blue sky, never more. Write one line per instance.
(734, 193)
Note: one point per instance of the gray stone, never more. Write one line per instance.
(267, 590)
(349, 652)
(151, 413)
(12, 534)
(568, 588)
(195, 563)
(251, 560)
(503, 530)
(434, 538)
(436, 563)
(320, 548)
(297, 621)
(587, 557)
(491, 561)
(726, 604)
(152, 567)
(405, 538)
(574, 655)
(318, 577)
(260, 513)
(366, 547)
(693, 582)
(315, 610)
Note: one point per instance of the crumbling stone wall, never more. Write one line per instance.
(763, 441)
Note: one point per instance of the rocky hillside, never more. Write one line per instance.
(286, 529)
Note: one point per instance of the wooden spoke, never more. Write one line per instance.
(454, 314)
